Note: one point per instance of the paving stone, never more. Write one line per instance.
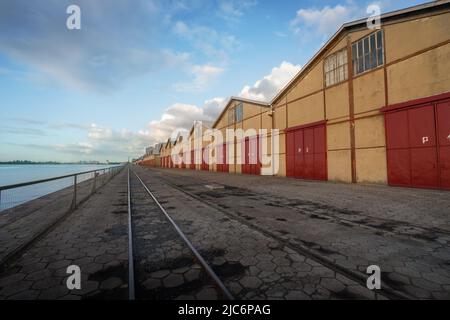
(38, 275)
(151, 284)
(250, 282)
(111, 283)
(207, 294)
(173, 280)
(192, 275)
(59, 264)
(297, 295)
(160, 274)
(16, 277)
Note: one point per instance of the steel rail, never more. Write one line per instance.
(199, 258)
(131, 289)
(24, 184)
(386, 291)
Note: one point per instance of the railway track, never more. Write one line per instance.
(386, 292)
(163, 263)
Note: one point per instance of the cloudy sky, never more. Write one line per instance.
(138, 70)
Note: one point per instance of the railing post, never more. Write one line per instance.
(74, 203)
(0, 200)
(95, 182)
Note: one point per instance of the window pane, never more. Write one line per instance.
(366, 62)
(380, 56)
(360, 65)
(373, 59)
(372, 42)
(360, 49)
(379, 39)
(354, 53)
(366, 45)
(341, 73)
(327, 79)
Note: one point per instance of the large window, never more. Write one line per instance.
(235, 114)
(367, 53)
(239, 112)
(336, 68)
(231, 116)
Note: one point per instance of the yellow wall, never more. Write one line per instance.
(306, 110)
(420, 76)
(408, 37)
(368, 91)
(337, 101)
(312, 82)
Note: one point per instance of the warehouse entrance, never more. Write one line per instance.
(252, 160)
(222, 163)
(306, 152)
(418, 144)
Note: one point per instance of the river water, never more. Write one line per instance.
(13, 174)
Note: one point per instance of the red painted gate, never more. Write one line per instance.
(251, 157)
(222, 161)
(306, 153)
(418, 144)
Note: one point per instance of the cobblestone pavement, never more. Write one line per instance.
(94, 237)
(251, 264)
(19, 225)
(424, 208)
(165, 268)
(414, 260)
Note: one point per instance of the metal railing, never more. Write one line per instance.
(81, 184)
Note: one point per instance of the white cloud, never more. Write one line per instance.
(266, 88)
(324, 21)
(203, 77)
(232, 10)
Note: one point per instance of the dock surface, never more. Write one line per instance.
(263, 237)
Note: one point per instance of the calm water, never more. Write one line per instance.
(13, 174)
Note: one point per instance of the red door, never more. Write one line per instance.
(422, 140)
(308, 138)
(298, 154)
(219, 160)
(418, 143)
(246, 156)
(397, 140)
(290, 153)
(320, 153)
(443, 129)
(192, 162)
(224, 158)
(306, 152)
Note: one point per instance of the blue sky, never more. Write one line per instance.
(138, 70)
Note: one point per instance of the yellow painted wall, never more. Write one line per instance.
(369, 132)
(279, 117)
(408, 37)
(338, 136)
(306, 110)
(339, 165)
(312, 82)
(368, 91)
(420, 76)
(371, 165)
(337, 101)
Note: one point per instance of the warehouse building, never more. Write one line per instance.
(372, 106)
(235, 152)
